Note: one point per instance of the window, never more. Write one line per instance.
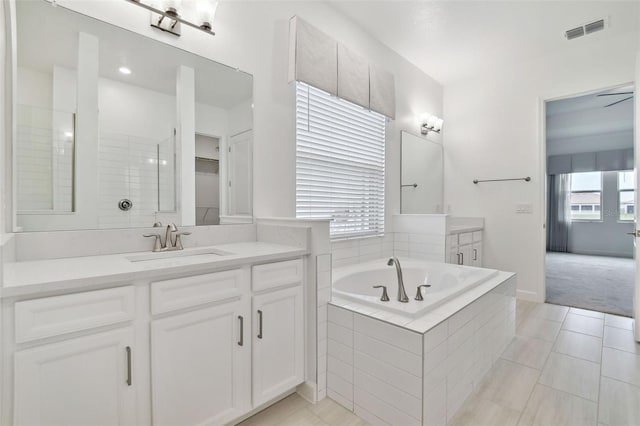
(626, 196)
(339, 163)
(586, 196)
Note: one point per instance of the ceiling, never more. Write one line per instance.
(48, 36)
(451, 40)
(585, 124)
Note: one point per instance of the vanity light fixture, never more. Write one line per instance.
(124, 70)
(431, 124)
(168, 15)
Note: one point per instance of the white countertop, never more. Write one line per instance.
(431, 318)
(51, 275)
(458, 229)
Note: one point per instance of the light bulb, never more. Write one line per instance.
(439, 123)
(172, 6)
(431, 121)
(206, 12)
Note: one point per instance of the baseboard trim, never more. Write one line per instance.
(307, 390)
(531, 296)
(602, 253)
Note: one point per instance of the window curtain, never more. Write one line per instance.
(558, 212)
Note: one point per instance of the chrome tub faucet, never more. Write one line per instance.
(402, 294)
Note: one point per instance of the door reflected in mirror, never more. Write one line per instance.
(105, 115)
(421, 175)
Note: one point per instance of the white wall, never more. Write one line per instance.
(493, 129)
(35, 88)
(608, 237)
(254, 37)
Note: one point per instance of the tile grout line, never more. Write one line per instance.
(600, 378)
(541, 371)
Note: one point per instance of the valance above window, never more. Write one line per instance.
(320, 61)
(602, 161)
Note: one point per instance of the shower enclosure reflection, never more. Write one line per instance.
(106, 115)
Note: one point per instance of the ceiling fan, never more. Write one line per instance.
(617, 94)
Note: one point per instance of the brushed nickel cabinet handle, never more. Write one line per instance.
(462, 258)
(458, 256)
(475, 254)
(259, 324)
(129, 381)
(241, 341)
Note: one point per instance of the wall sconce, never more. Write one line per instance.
(166, 15)
(431, 124)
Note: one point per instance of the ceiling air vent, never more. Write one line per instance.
(594, 26)
(586, 29)
(574, 33)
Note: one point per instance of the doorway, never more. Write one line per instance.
(590, 201)
(207, 180)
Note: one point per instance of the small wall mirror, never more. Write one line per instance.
(117, 130)
(421, 175)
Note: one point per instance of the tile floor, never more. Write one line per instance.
(566, 366)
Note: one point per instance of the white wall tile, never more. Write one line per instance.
(338, 350)
(388, 373)
(340, 369)
(388, 333)
(341, 334)
(341, 316)
(395, 397)
(390, 354)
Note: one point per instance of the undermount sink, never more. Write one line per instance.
(176, 254)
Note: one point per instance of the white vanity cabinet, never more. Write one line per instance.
(278, 346)
(465, 248)
(86, 380)
(200, 366)
(235, 337)
(82, 381)
(187, 350)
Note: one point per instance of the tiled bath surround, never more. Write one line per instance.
(387, 374)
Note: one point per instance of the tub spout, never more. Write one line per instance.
(402, 294)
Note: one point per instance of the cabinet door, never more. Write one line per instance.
(476, 254)
(454, 256)
(200, 366)
(466, 253)
(82, 381)
(278, 343)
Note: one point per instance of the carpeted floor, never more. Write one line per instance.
(597, 283)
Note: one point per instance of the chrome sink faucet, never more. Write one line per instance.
(169, 243)
(402, 294)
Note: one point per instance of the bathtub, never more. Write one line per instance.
(355, 283)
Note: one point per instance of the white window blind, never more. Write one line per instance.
(339, 163)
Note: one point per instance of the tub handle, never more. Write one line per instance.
(385, 296)
(419, 293)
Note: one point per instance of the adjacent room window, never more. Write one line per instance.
(626, 196)
(586, 196)
(339, 163)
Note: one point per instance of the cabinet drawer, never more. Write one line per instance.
(452, 241)
(477, 236)
(465, 238)
(53, 316)
(272, 275)
(180, 293)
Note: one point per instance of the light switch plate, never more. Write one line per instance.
(526, 208)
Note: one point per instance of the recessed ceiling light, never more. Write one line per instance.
(124, 70)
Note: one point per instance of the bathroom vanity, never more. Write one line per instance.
(203, 337)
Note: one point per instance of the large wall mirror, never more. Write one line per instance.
(117, 130)
(421, 175)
